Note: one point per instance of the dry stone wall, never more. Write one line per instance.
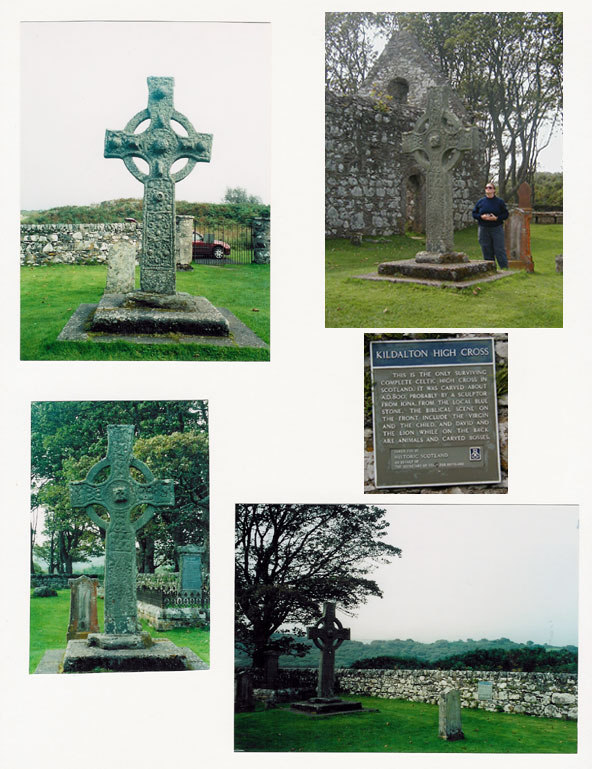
(550, 695)
(367, 187)
(546, 695)
(74, 243)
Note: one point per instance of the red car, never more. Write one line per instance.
(214, 249)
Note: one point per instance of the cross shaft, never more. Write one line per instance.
(437, 144)
(119, 495)
(327, 635)
(160, 147)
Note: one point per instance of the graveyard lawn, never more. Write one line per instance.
(520, 300)
(50, 294)
(400, 727)
(49, 623)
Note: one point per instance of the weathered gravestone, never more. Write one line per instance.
(122, 646)
(517, 232)
(244, 700)
(190, 571)
(83, 607)
(434, 410)
(450, 726)
(327, 635)
(184, 243)
(437, 144)
(157, 307)
(121, 268)
(271, 668)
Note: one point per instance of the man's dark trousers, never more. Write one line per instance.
(491, 240)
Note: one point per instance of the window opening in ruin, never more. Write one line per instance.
(398, 88)
(415, 203)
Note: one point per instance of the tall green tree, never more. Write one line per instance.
(507, 68)
(239, 195)
(67, 438)
(291, 558)
(351, 45)
(184, 457)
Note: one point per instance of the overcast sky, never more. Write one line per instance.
(476, 571)
(81, 78)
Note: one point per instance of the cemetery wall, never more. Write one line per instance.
(366, 172)
(549, 695)
(74, 243)
(57, 581)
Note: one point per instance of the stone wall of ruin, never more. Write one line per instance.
(366, 172)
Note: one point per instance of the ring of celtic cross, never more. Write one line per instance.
(162, 143)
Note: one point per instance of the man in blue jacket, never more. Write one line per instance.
(491, 212)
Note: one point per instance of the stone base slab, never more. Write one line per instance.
(455, 271)
(171, 617)
(437, 283)
(80, 657)
(77, 329)
(326, 706)
(140, 312)
(448, 257)
(120, 641)
(51, 662)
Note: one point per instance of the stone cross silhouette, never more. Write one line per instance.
(160, 147)
(119, 495)
(327, 635)
(437, 143)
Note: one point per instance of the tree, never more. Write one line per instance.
(507, 68)
(184, 457)
(67, 438)
(239, 196)
(351, 47)
(291, 558)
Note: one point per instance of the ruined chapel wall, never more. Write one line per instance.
(366, 171)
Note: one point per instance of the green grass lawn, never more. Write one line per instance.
(50, 294)
(49, 619)
(520, 300)
(400, 727)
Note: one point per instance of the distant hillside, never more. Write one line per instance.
(110, 211)
(353, 651)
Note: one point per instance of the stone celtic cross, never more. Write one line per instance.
(437, 143)
(327, 635)
(160, 146)
(119, 494)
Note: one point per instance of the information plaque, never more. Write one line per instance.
(434, 410)
(484, 690)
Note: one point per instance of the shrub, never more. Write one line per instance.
(44, 592)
